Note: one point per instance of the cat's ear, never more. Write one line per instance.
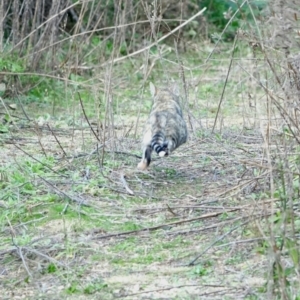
(153, 90)
(174, 88)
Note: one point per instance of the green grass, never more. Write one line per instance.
(60, 216)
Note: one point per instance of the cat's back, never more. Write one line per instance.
(167, 114)
(166, 100)
(165, 129)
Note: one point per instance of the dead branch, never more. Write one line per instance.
(210, 215)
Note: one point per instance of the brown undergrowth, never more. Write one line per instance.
(218, 219)
(185, 228)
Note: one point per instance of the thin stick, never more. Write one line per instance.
(60, 192)
(83, 110)
(225, 28)
(158, 41)
(93, 31)
(22, 107)
(122, 177)
(44, 23)
(43, 164)
(225, 84)
(215, 214)
(18, 249)
(217, 240)
(59, 144)
(182, 286)
(45, 256)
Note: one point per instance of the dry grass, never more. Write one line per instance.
(187, 228)
(218, 219)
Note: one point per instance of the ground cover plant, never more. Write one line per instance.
(218, 219)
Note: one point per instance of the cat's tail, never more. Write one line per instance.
(159, 144)
(146, 159)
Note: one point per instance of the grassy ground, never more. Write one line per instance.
(79, 221)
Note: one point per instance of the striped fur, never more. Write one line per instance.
(159, 143)
(165, 129)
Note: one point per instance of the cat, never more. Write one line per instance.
(165, 129)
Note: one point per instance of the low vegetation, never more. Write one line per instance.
(218, 219)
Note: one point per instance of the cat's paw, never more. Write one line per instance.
(142, 165)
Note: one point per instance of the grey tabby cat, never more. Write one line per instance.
(165, 129)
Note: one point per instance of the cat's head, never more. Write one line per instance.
(171, 88)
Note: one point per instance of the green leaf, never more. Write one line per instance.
(293, 250)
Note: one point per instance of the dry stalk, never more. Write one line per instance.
(158, 41)
(225, 83)
(87, 119)
(37, 160)
(49, 20)
(2, 14)
(192, 263)
(215, 214)
(57, 140)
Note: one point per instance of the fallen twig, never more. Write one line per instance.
(215, 214)
(192, 263)
(18, 249)
(59, 144)
(182, 286)
(58, 191)
(44, 256)
(43, 164)
(122, 177)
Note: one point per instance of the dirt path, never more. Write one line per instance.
(185, 229)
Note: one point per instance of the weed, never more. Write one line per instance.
(51, 268)
(200, 271)
(73, 288)
(94, 287)
(74, 209)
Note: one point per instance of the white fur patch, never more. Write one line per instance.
(162, 153)
(147, 138)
